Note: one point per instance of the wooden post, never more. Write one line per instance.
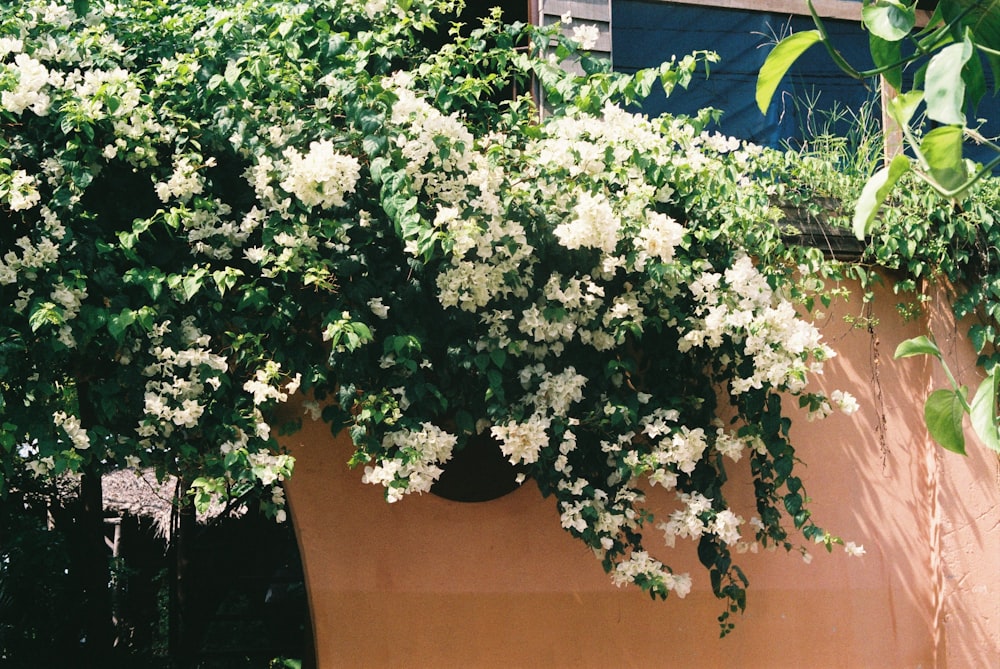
(892, 133)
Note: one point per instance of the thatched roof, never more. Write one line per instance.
(131, 492)
(138, 493)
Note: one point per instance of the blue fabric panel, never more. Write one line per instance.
(646, 34)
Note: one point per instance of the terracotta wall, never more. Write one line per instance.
(431, 583)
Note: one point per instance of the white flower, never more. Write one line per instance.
(726, 526)
(185, 181)
(659, 237)
(594, 225)
(32, 78)
(853, 549)
(41, 467)
(587, 35)
(521, 442)
(415, 469)
(23, 191)
(679, 584)
(375, 7)
(729, 445)
(10, 45)
(844, 401)
(566, 18)
(71, 426)
(321, 177)
(641, 564)
(378, 309)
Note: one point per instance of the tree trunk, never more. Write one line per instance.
(93, 575)
(184, 638)
(90, 555)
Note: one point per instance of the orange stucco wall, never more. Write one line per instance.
(428, 582)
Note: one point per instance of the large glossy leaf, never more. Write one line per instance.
(921, 345)
(874, 194)
(943, 414)
(944, 87)
(776, 65)
(888, 19)
(984, 411)
(902, 107)
(942, 147)
(885, 53)
(982, 17)
(975, 83)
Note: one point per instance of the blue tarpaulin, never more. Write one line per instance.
(645, 34)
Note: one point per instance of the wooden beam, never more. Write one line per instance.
(830, 9)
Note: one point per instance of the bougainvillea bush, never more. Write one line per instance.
(208, 208)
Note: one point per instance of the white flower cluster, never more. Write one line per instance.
(697, 517)
(210, 232)
(268, 468)
(658, 239)
(740, 306)
(587, 35)
(33, 79)
(22, 193)
(840, 399)
(732, 446)
(594, 225)
(679, 450)
(175, 392)
(556, 392)
(522, 441)
(640, 566)
(264, 385)
(72, 427)
(437, 148)
(502, 251)
(322, 177)
(416, 465)
(185, 181)
(586, 509)
(33, 256)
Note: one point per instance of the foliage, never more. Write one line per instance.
(947, 229)
(37, 591)
(207, 209)
(959, 38)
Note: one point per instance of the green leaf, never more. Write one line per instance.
(498, 356)
(889, 20)
(975, 84)
(374, 145)
(984, 411)
(885, 53)
(793, 503)
(226, 278)
(118, 324)
(944, 88)
(784, 54)
(904, 106)
(982, 17)
(921, 345)
(942, 148)
(875, 192)
(943, 413)
(232, 73)
(45, 314)
(980, 335)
